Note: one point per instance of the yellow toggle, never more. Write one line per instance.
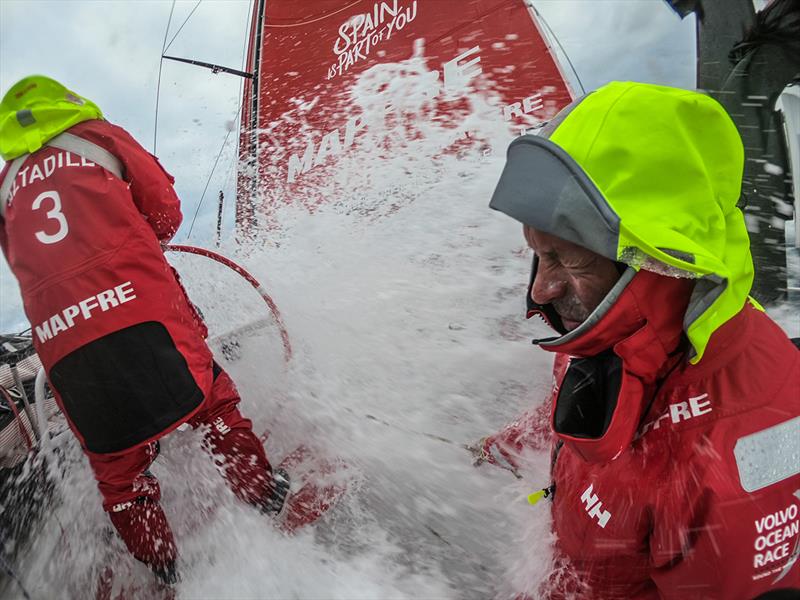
(536, 496)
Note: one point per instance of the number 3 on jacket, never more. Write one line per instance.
(54, 214)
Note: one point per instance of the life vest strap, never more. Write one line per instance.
(70, 143)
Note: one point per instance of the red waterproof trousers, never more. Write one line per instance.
(131, 494)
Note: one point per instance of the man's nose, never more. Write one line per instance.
(547, 288)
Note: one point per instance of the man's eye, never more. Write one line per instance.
(580, 265)
(549, 257)
(548, 262)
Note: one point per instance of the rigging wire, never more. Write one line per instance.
(160, 65)
(235, 119)
(164, 47)
(181, 27)
(208, 181)
(553, 35)
(231, 169)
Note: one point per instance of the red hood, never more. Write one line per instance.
(644, 328)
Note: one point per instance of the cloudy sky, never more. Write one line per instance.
(108, 50)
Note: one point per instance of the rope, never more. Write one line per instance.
(160, 65)
(276, 314)
(13, 406)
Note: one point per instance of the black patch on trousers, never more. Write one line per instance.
(125, 387)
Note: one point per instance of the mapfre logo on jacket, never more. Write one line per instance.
(82, 311)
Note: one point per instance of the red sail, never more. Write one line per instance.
(330, 73)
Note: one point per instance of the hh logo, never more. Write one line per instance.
(594, 507)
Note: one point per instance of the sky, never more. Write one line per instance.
(108, 51)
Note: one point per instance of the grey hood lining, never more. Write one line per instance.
(706, 291)
(545, 188)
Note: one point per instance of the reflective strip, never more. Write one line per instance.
(8, 181)
(70, 143)
(25, 117)
(768, 456)
(684, 256)
(88, 150)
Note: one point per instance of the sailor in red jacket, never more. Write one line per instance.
(83, 211)
(676, 404)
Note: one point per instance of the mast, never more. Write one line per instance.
(256, 89)
(247, 171)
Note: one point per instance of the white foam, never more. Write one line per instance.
(405, 306)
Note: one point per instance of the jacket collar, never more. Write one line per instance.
(640, 321)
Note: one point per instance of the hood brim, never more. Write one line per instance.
(543, 187)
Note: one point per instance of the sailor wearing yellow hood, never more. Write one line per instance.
(676, 407)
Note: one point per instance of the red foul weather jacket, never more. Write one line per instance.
(122, 345)
(703, 500)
